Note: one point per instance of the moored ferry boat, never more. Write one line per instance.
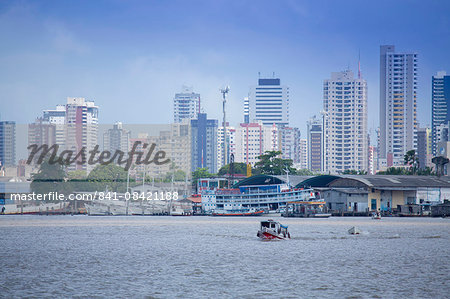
(260, 193)
(247, 212)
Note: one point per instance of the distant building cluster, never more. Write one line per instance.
(337, 139)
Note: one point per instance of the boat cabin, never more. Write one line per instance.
(276, 227)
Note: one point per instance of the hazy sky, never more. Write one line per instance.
(131, 57)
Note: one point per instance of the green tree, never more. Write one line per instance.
(270, 163)
(111, 177)
(412, 160)
(238, 168)
(50, 178)
(178, 176)
(426, 171)
(394, 171)
(201, 173)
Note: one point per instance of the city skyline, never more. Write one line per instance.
(51, 54)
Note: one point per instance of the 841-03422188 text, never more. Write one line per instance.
(157, 195)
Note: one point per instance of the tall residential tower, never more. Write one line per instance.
(269, 102)
(186, 105)
(345, 123)
(7, 143)
(398, 106)
(440, 105)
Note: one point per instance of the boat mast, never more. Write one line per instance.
(128, 186)
(287, 177)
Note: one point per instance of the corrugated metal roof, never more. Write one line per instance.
(377, 181)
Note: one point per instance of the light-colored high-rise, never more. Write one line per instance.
(398, 105)
(269, 102)
(290, 143)
(231, 144)
(303, 154)
(42, 132)
(186, 105)
(345, 122)
(81, 128)
(57, 117)
(246, 110)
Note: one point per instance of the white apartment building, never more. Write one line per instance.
(57, 117)
(269, 102)
(345, 123)
(303, 154)
(186, 105)
(290, 143)
(231, 144)
(81, 124)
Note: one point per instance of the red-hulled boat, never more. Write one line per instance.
(273, 230)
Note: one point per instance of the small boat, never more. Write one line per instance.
(237, 213)
(376, 216)
(354, 231)
(272, 230)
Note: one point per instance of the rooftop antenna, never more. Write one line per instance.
(359, 64)
(224, 97)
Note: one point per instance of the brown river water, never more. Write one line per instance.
(218, 257)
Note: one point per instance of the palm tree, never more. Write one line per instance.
(412, 160)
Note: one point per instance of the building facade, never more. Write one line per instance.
(422, 147)
(57, 117)
(176, 143)
(290, 143)
(345, 123)
(253, 139)
(398, 105)
(41, 133)
(231, 144)
(116, 138)
(81, 126)
(373, 160)
(315, 149)
(186, 105)
(7, 143)
(269, 102)
(303, 154)
(440, 101)
(204, 143)
(246, 110)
